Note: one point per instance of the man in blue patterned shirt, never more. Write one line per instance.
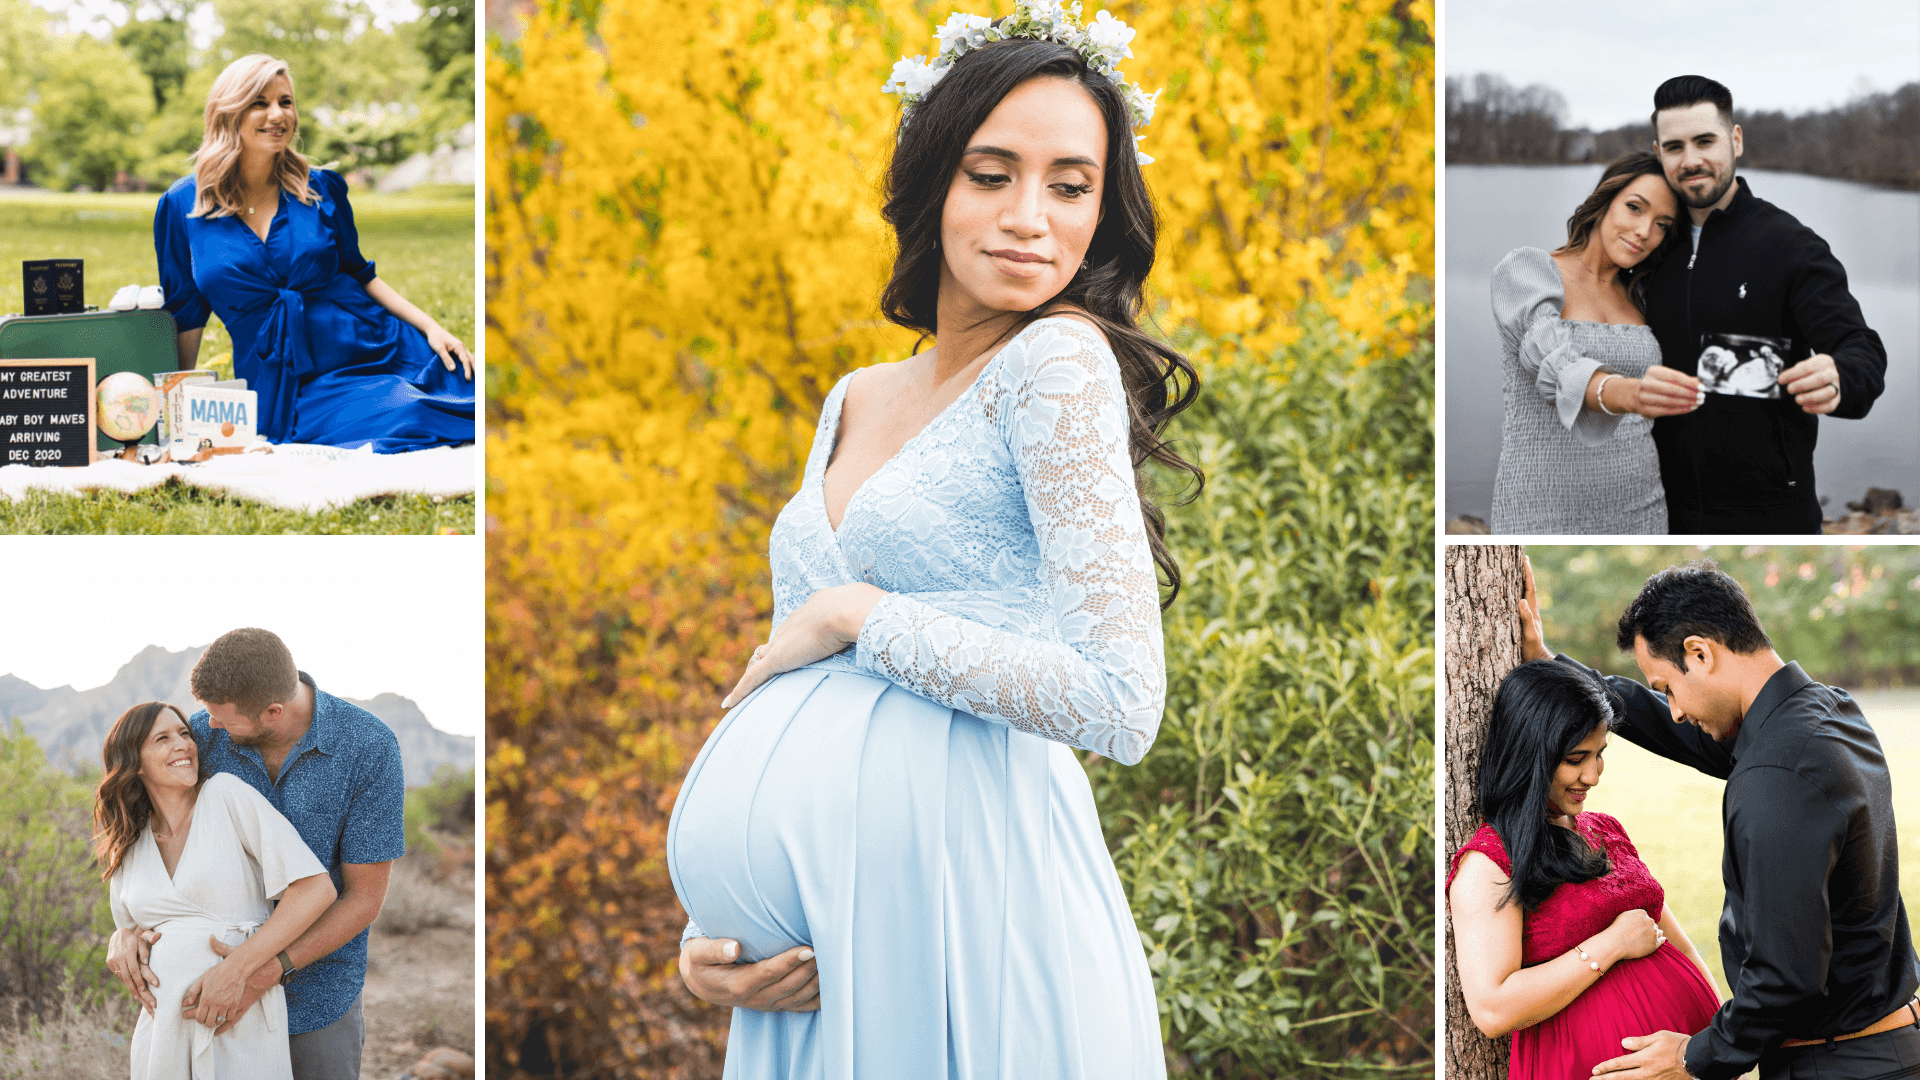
(334, 770)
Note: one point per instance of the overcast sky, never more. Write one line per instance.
(362, 615)
(1607, 58)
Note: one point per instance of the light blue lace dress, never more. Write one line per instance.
(913, 808)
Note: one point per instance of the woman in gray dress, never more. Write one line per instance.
(1583, 374)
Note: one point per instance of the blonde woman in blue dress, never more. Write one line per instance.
(894, 818)
(200, 859)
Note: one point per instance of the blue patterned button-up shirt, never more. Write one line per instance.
(343, 788)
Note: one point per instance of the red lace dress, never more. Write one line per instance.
(1662, 991)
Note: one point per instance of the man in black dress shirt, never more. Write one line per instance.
(1745, 464)
(1813, 937)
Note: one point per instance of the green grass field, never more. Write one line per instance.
(1673, 815)
(421, 243)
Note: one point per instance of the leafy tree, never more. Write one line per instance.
(23, 49)
(1848, 614)
(357, 84)
(93, 109)
(159, 46)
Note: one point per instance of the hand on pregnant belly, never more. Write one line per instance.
(829, 621)
(789, 982)
(1659, 1056)
(223, 995)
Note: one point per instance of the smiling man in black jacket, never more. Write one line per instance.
(1744, 464)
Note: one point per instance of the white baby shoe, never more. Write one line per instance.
(151, 298)
(126, 299)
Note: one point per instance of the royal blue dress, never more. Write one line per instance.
(331, 366)
(913, 808)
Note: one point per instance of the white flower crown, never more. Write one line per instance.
(1103, 45)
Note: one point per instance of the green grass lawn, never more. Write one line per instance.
(1673, 815)
(421, 243)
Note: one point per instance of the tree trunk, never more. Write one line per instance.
(1484, 583)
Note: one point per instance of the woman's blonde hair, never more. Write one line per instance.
(216, 165)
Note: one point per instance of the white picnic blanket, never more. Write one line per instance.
(293, 477)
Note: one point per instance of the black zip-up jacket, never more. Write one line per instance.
(1745, 465)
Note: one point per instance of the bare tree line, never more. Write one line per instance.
(1874, 139)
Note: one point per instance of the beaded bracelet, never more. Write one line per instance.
(1600, 395)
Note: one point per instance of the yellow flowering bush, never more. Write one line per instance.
(684, 252)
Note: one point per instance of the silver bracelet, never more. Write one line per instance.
(1600, 395)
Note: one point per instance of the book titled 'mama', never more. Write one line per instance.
(228, 417)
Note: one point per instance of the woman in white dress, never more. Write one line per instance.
(199, 859)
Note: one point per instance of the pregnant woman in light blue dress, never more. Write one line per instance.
(965, 600)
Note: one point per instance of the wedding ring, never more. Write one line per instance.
(219, 1019)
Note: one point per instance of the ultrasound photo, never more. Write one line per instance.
(1743, 365)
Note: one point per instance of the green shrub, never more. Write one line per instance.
(54, 921)
(446, 805)
(1276, 842)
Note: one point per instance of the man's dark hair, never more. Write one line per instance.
(1683, 91)
(1682, 601)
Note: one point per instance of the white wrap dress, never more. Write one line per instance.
(239, 855)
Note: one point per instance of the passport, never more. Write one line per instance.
(55, 286)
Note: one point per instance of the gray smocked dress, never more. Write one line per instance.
(1564, 469)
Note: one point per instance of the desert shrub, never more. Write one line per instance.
(54, 923)
(1276, 842)
(445, 804)
(75, 1037)
(419, 897)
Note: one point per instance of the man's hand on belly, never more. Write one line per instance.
(223, 995)
(127, 952)
(789, 982)
(1659, 1056)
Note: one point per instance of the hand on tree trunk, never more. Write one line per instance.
(1533, 640)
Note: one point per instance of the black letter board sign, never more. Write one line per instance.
(46, 412)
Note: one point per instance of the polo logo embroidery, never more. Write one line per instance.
(1743, 290)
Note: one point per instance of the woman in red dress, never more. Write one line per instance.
(1561, 936)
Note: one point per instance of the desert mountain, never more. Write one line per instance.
(70, 725)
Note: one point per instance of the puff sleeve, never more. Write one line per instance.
(1527, 298)
(175, 257)
(346, 236)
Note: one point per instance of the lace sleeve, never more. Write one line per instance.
(1103, 685)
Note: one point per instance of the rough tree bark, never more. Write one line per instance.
(1484, 583)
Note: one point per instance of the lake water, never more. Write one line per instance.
(1874, 232)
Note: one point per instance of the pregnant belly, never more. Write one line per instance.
(819, 781)
(1662, 991)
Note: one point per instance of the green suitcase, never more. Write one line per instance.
(142, 341)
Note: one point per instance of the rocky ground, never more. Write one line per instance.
(420, 989)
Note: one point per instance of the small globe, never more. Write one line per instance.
(129, 406)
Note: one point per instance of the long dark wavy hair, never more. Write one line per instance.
(1542, 710)
(120, 804)
(1160, 383)
(1620, 172)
